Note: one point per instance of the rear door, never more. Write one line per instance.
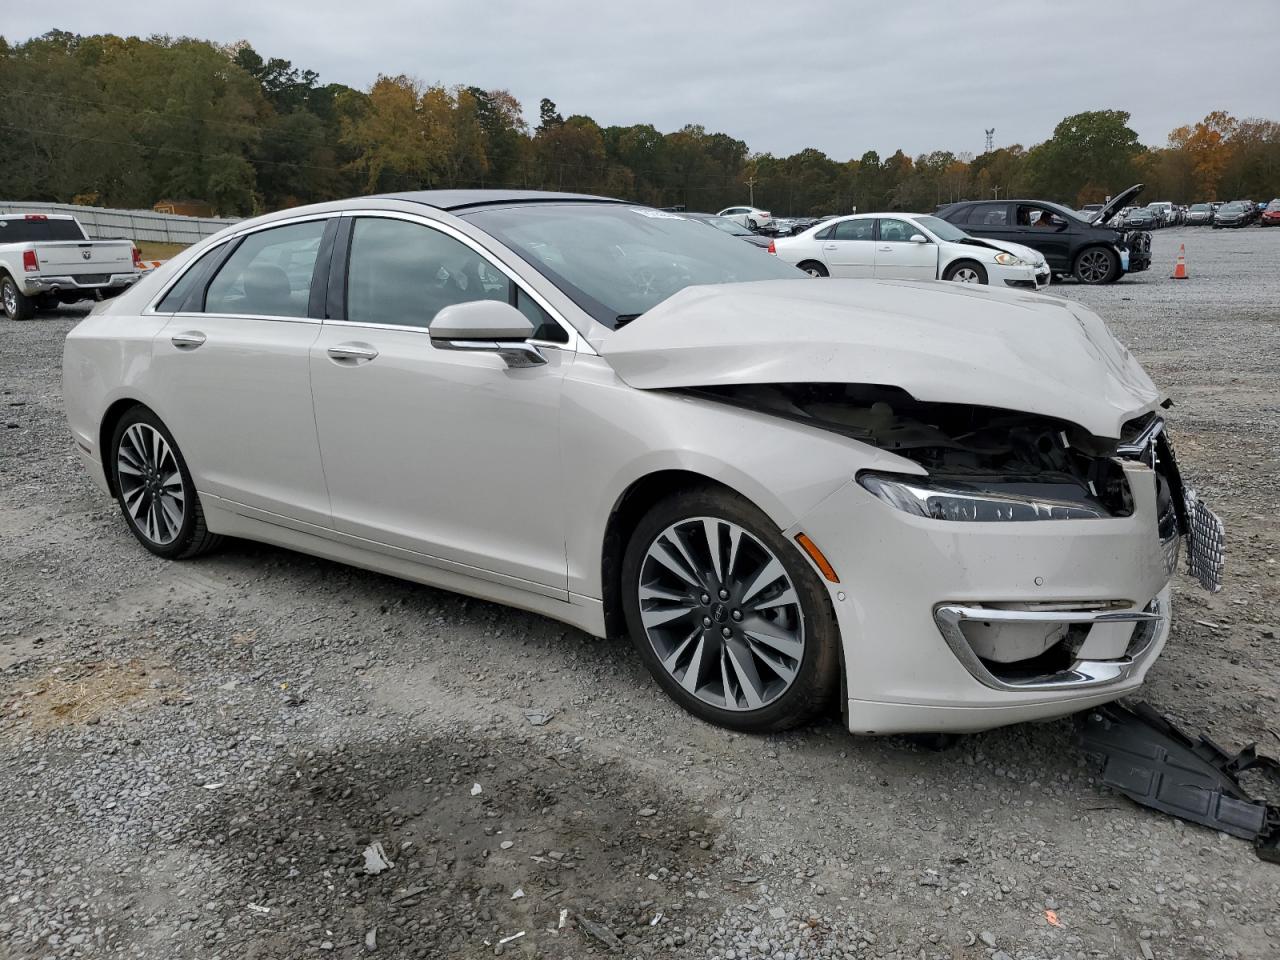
(232, 380)
(898, 258)
(850, 250)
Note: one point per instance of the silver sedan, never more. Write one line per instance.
(946, 508)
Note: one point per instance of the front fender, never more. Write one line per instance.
(617, 435)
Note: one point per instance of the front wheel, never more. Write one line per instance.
(155, 490)
(727, 615)
(814, 269)
(1097, 265)
(966, 271)
(17, 305)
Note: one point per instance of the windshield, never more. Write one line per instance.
(25, 230)
(944, 231)
(730, 226)
(1231, 207)
(1274, 205)
(1200, 207)
(617, 262)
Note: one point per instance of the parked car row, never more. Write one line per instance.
(950, 508)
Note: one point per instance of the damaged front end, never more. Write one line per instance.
(992, 466)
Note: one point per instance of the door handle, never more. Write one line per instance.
(187, 341)
(886, 249)
(358, 352)
(829, 246)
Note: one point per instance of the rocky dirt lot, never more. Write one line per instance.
(195, 757)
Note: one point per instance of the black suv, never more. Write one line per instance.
(1087, 250)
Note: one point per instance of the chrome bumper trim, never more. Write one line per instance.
(46, 284)
(1082, 675)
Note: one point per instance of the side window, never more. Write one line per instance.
(897, 231)
(825, 234)
(405, 273)
(990, 216)
(963, 215)
(196, 276)
(269, 274)
(1038, 217)
(854, 230)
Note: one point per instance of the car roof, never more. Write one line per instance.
(453, 200)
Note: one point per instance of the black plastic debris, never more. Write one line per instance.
(1155, 764)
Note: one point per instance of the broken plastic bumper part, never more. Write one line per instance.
(1155, 764)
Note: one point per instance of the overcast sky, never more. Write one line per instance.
(782, 75)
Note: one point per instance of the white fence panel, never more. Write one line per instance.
(101, 223)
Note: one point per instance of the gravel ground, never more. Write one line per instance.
(194, 757)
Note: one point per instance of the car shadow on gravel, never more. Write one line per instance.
(487, 839)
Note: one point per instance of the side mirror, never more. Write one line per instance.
(919, 238)
(488, 326)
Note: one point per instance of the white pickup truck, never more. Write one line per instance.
(46, 259)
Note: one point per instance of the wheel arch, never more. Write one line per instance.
(816, 262)
(1096, 245)
(107, 428)
(959, 261)
(628, 509)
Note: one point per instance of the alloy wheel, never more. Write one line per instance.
(10, 295)
(721, 613)
(1095, 266)
(966, 275)
(150, 480)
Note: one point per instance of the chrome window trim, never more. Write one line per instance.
(150, 308)
(576, 342)
(244, 316)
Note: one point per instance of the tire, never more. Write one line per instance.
(17, 305)
(738, 681)
(1096, 265)
(966, 271)
(814, 269)
(151, 487)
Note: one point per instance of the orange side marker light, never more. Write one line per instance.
(811, 548)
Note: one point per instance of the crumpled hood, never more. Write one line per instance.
(941, 342)
(1029, 254)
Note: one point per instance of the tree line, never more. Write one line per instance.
(126, 122)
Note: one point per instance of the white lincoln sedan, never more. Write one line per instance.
(909, 246)
(947, 508)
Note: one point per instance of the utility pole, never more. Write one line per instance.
(995, 192)
(751, 187)
(990, 137)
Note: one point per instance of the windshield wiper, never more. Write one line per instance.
(623, 319)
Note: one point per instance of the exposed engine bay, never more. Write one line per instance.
(982, 446)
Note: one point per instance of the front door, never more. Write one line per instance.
(898, 257)
(233, 379)
(850, 251)
(1047, 231)
(448, 454)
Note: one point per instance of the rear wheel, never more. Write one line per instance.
(155, 490)
(727, 615)
(966, 271)
(1097, 265)
(17, 305)
(814, 269)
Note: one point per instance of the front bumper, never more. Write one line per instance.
(1023, 276)
(900, 572)
(84, 283)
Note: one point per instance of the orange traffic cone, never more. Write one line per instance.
(1180, 268)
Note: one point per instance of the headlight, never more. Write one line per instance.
(1009, 260)
(953, 500)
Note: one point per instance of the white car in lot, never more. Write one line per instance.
(950, 508)
(905, 246)
(753, 218)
